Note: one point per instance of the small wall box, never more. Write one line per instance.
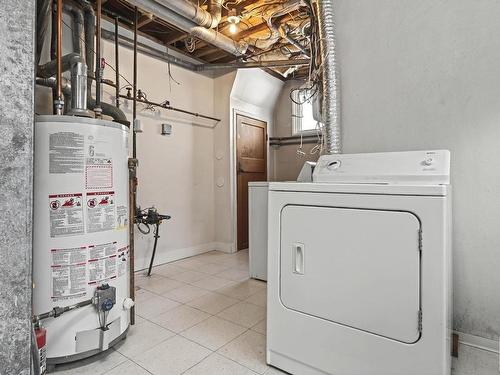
(166, 129)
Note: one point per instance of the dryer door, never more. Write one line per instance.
(355, 267)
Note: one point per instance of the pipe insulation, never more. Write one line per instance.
(330, 77)
(210, 36)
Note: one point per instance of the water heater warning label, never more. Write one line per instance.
(99, 176)
(66, 152)
(102, 269)
(100, 211)
(69, 273)
(69, 281)
(66, 215)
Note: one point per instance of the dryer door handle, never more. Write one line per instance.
(298, 258)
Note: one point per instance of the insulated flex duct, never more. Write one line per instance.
(330, 77)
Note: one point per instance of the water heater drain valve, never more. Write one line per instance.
(104, 297)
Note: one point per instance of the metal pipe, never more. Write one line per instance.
(43, 13)
(117, 66)
(134, 108)
(170, 108)
(208, 35)
(89, 24)
(52, 83)
(148, 50)
(330, 77)
(253, 64)
(196, 14)
(153, 52)
(59, 103)
(74, 63)
(132, 169)
(78, 34)
(98, 67)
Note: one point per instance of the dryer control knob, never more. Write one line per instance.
(428, 161)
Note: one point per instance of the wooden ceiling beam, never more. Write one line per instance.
(205, 51)
(258, 28)
(144, 20)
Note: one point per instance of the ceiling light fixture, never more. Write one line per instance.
(233, 20)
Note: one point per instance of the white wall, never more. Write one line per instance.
(175, 173)
(252, 92)
(422, 75)
(287, 163)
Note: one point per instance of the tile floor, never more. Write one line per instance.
(197, 316)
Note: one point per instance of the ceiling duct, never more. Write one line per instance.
(183, 22)
(196, 14)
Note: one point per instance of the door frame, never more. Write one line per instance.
(233, 178)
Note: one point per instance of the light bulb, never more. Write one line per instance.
(233, 28)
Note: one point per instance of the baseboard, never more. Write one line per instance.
(176, 254)
(227, 247)
(478, 342)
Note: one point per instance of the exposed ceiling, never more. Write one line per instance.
(289, 40)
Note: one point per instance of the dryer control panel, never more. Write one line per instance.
(408, 167)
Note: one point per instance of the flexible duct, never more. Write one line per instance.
(175, 19)
(330, 77)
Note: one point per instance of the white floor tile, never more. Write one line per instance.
(189, 263)
(211, 268)
(234, 274)
(242, 290)
(180, 318)
(275, 371)
(96, 365)
(189, 276)
(244, 314)
(259, 298)
(128, 368)
(172, 357)
(141, 338)
(260, 327)
(214, 332)
(213, 303)
(218, 365)
(168, 270)
(159, 284)
(212, 283)
(249, 350)
(142, 295)
(154, 306)
(185, 293)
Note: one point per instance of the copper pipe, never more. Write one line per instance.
(134, 97)
(117, 65)
(60, 101)
(98, 67)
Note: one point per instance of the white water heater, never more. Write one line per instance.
(81, 233)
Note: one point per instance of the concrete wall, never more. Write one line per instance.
(17, 51)
(425, 75)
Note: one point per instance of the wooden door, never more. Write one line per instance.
(251, 165)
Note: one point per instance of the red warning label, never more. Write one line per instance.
(100, 211)
(66, 214)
